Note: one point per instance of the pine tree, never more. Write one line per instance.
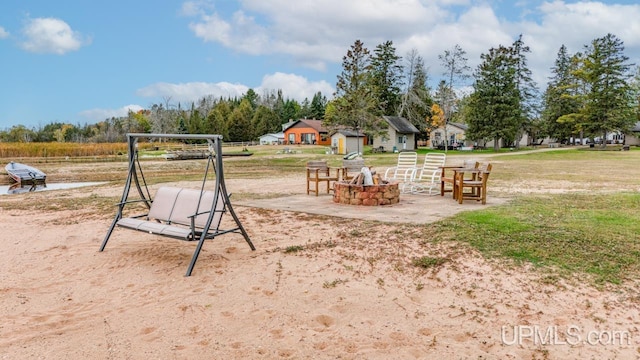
(217, 120)
(525, 86)
(562, 98)
(608, 102)
(355, 104)
(386, 77)
(252, 97)
(291, 109)
(195, 122)
(265, 121)
(239, 123)
(318, 105)
(305, 109)
(494, 104)
(635, 87)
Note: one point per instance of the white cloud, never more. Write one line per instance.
(196, 7)
(103, 114)
(193, 91)
(242, 33)
(314, 34)
(3, 33)
(292, 86)
(50, 35)
(576, 25)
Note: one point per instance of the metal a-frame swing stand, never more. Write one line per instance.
(215, 158)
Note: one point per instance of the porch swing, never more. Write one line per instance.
(179, 213)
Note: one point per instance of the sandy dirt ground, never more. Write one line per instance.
(349, 292)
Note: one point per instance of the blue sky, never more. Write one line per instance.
(81, 62)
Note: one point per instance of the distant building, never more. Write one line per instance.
(400, 135)
(307, 131)
(272, 139)
(633, 137)
(346, 141)
(456, 136)
(288, 124)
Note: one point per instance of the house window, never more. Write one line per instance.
(308, 138)
(402, 139)
(292, 138)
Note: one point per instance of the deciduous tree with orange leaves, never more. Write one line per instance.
(439, 120)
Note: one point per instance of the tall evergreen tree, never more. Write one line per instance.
(278, 107)
(561, 99)
(318, 105)
(305, 109)
(494, 112)
(355, 103)
(635, 87)
(608, 102)
(526, 87)
(239, 123)
(386, 77)
(195, 122)
(291, 109)
(265, 121)
(217, 120)
(252, 97)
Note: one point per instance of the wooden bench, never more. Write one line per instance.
(175, 213)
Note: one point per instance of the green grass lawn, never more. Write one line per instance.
(574, 233)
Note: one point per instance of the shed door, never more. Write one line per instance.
(341, 149)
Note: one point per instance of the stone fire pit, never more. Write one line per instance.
(369, 195)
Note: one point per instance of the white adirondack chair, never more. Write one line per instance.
(427, 178)
(407, 161)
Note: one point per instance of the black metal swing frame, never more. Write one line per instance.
(214, 158)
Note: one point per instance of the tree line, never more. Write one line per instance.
(236, 119)
(590, 93)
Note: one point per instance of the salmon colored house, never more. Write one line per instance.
(305, 131)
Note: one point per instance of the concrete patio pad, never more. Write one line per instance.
(417, 209)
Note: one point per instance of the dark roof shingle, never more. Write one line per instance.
(401, 125)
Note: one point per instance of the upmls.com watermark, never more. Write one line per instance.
(555, 335)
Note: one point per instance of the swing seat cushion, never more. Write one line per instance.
(171, 212)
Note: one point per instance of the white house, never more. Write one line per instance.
(455, 136)
(400, 135)
(272, 139)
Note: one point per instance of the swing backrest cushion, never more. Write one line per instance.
(177, 205)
